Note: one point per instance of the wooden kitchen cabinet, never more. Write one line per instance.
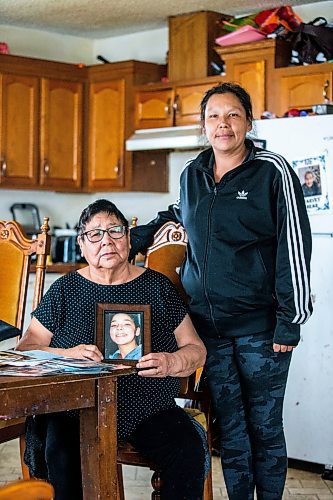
(18, 130)
(154, 108)
(301, 86)
(191, 45)
(106, 134)
(110, 121)
(187, 102)
(63, 126)
(251, 76)
(41, 115)
(61, 134)
(174, 105)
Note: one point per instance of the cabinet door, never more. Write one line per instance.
(154, 108)
(303, 91)
(18, 135)
(251, 76)
(106, 135)
(187, 103)
(61, 135)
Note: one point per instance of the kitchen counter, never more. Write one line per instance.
(60, 267)
(64, 268)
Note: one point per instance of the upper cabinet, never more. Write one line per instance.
(188, 99)
(167, 106)
(106, 134)
(63, 127)
(109, 122)
(260, 67)
(40, 124)
(155, 108)
(191, 45)
(61, 134)
(301, 87)
(18, 130)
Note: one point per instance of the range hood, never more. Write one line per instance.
(187, 137)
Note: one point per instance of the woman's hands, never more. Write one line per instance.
(38, 337)
(155, 364)
(191, 354)
(83, 351)
(282, 348)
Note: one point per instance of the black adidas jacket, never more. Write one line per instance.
(248, 258)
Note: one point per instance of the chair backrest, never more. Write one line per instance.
(15, 258)
(167, 252)
(166, 255)
(33, 489)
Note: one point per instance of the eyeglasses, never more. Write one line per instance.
(96, 235)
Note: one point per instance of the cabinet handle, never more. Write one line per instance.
(116, 168)
(325, 89)
(168, 107)
(176, 105)
(46, 168)
(3, 168)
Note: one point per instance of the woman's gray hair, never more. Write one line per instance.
(97, 207)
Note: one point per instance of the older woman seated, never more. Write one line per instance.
(64, 323)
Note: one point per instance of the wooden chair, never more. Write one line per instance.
(16, 251)
(32, 489)
(166, 256)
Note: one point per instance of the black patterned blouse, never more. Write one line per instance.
(68, 311)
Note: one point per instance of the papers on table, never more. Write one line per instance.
(28, 371)
(9, 356)
(39, 363)
(76, 363)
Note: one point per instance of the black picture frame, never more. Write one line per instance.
(139, 315)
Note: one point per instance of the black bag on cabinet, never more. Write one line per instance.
(311, 39)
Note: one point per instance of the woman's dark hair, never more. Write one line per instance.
(228, 88)
(97, 207)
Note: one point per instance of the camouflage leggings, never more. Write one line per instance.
(247, 381)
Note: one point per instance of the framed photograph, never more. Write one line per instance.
(123, 332)
(312, 173)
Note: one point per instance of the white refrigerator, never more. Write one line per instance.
(307, 143)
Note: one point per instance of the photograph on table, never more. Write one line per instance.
(123, 332)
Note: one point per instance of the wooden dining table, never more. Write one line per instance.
(96, 398)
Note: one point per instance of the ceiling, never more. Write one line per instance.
(107, 18)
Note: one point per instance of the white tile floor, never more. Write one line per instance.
(301, 485)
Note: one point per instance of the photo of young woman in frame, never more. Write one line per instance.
(124, 341)
(123, 332)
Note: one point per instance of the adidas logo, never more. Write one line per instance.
(242, 195)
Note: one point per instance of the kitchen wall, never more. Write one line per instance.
(46, 45)
(149, 46)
